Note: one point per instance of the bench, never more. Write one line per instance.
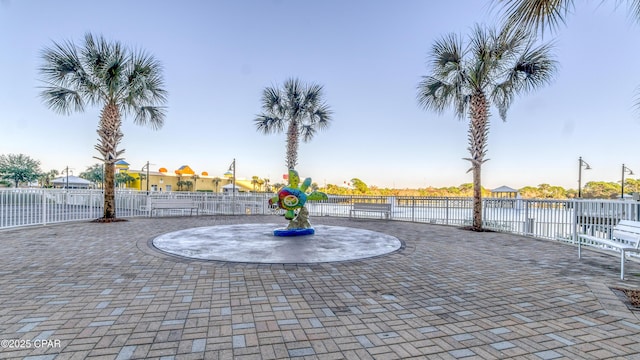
(625, 238)
(158, 204)
(371, 207)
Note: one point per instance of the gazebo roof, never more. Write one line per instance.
(504, 189)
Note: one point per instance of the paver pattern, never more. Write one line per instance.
(85, 290)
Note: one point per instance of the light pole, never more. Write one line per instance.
(232, 172)
(581, 163)
(624, 170)
(66, 170)
(146, 166)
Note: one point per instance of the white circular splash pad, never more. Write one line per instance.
(256, 243)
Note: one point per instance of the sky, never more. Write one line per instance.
(369, 56)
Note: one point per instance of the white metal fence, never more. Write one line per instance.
(549, 219)
(24, 207)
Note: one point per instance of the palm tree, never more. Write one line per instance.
(195, 181)
(297, 106)
(180, 184)
(101, 73)
(46, 178)
(491, 69)
(123, 178)
(255, 181)
(216, 182)
(267, 187)
(94, 173)
(536, 15)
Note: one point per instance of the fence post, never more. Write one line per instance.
(526, 218)
(530, 225)
(413, 209)
(90, 204)
(44, 207)
(446, 210)
(483, 204)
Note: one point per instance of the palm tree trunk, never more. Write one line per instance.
(478, 133)
(109, 190)
(477, 198)
(292, 145)
(109, 137)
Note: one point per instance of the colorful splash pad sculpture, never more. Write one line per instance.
(292, 199)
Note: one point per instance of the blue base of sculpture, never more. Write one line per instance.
(294, 232)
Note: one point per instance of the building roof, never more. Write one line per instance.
(73, 180)
(184, 169)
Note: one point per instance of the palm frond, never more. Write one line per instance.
(449, 79)
(509, 44)
(536, 67)
(61, 100)
(446, 58)
(531, 70)
(502, 96)
(321, 116)
(437, 95)
(113, 72)
(272, 102)
(317, 118)
(307, 131)
(269, 124)
(634, 8)
(94, 56)
(481, 44)
(94, 53)
(67, 81)
(501, 64)
(313, 96)
(637, 100)
(60, 61)
(153, 116)
(536, 15)
(294, 96)
(142, 83)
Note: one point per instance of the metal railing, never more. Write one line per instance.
(548, 219)
(25, 207)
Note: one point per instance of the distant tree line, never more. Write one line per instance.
(21, 170)
(591, 190)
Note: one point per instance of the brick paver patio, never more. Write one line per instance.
(84, 290)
